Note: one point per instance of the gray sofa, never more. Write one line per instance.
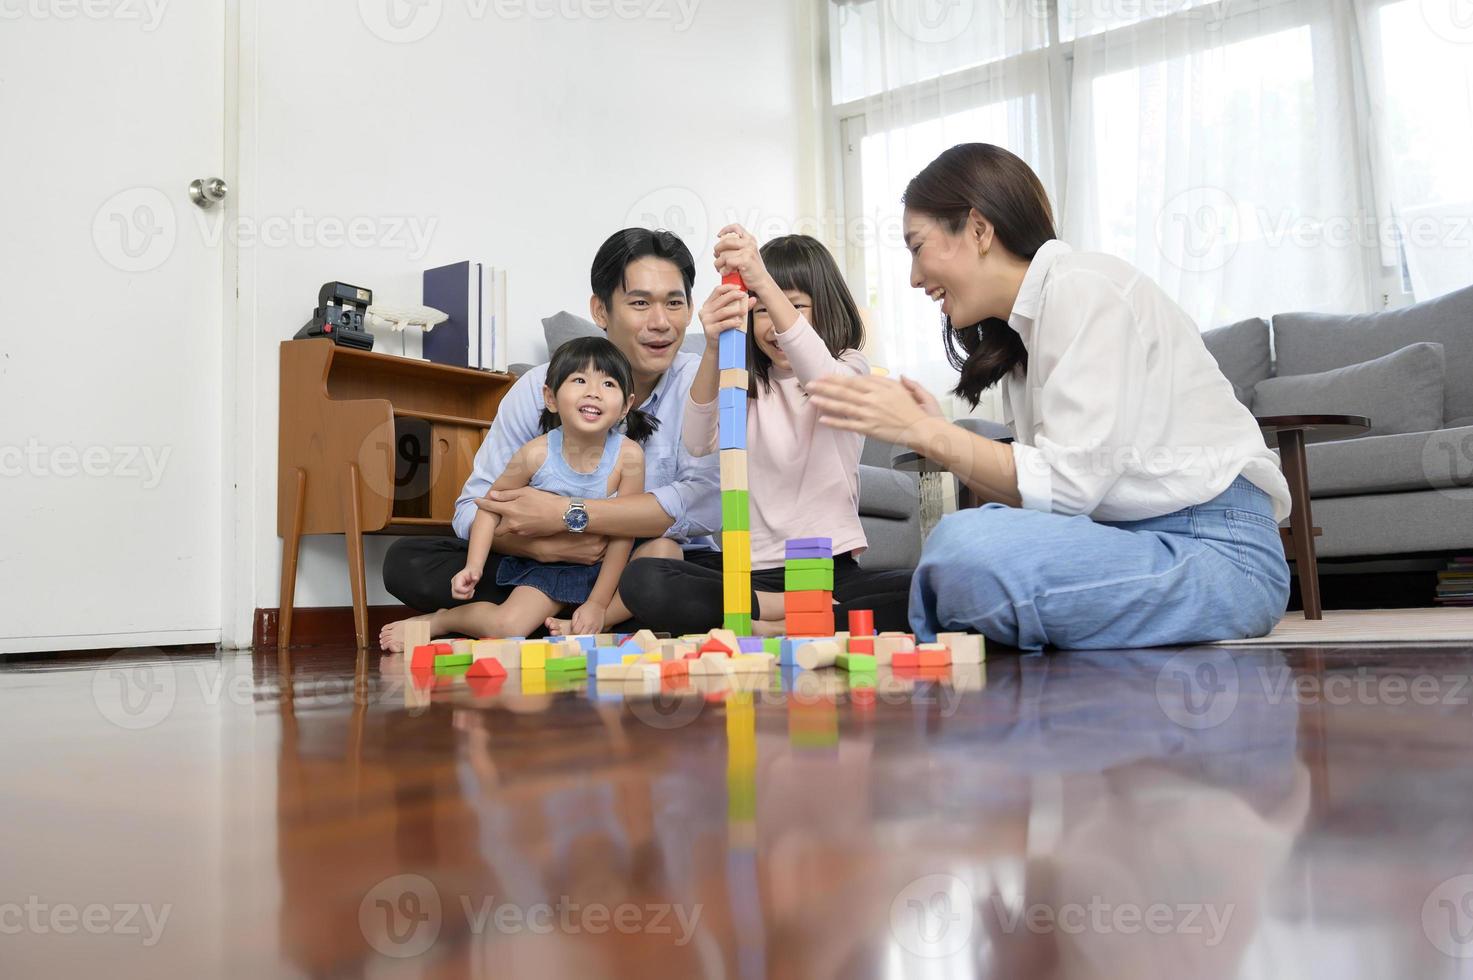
(1400, 493)
(889, 501)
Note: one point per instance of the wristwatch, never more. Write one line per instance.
(576, 516)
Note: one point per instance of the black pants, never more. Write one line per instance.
(687, 596)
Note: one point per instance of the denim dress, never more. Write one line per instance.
(562, 581)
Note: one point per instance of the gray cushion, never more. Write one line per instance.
(1394, 524)
(888, 493)
(1306, 343)
(1437, 460)
(1242, 353)
(563, 326)
(1401, 392)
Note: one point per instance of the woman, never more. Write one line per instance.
(1138, 505)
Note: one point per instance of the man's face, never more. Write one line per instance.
(648, 315)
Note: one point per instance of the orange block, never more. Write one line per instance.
(931, 658)
(810, 601)
(810, 624)
(862, 644)
(486, 667)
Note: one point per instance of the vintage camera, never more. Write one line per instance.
(339, 316)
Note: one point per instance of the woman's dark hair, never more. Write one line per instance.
(1005, 191)
(597, 354)
(630, 245)
(800, 262)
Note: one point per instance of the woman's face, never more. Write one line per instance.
(951, 268)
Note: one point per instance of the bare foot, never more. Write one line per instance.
(391, 637)
(558, 627)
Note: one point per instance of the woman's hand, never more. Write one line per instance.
(463, 585)
(882, 408)
(736, 251)
(589, 618)
(923, 398)
(726, 309)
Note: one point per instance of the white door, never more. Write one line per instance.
(110, 322)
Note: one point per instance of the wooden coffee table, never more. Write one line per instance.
(1287, 432)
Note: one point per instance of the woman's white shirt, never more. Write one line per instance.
(1122, 414)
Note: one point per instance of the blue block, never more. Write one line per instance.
(734, 399)
(604, 655)
(789, 649)
(733, 429)
(749, 644)
(629, 646)
(588, 643)
(733, 350)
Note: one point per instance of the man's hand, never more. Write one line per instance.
(575, 549)
(525, 511)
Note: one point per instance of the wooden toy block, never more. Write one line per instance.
(806, 554)
(736, 378)
(423, 657)
(736, 593)
(856, 662)
(735, 510)
(810, 624)
(509, 652)
(416, 634)
(645, 640)
(732, 351)
(966, 648)
(605, 639)
(808, 565)
(727, 638)
(451, 670)
(808, 581)
(812, 601)
(750, 644)
(732, 398)
(772, 645)
(734, 469)
(818, 653)
(486, 667)
(740, 623)
(736, 544)
(905, 660)
(751, 662)
(674, 668)
(733, 428)
(561, 664)
(714, 645)
(827, 543)
(613, 672)
(534, 655)
(885, 647)
(453, 659)
(932, 655)
(460, 647)
(862, 622)
(862, 644)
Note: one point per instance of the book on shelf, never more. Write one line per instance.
(473, 294)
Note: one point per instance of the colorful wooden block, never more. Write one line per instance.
(736, 378)
(416, 634)
(932, 655)
(735, 509)
(750, 644)
(461, 648)
(534, 655)
(453, 659)
(423, 657)
(810, 624)
(739, 623)
(825, 543)
(862, 622)
(966, 648)
(885, 647)
(734, 469)
(486, 667)
(862, 644)
(816, 654)
(732, 351)
(856, 662)
(751, 663)
(815, 580)
(808, 565)
(733, 427)
(736, 593)
(736, 551)
(810, 601)
(905, 660)
(674, 668)
(562, 664)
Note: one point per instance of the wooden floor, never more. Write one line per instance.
(1183, 814)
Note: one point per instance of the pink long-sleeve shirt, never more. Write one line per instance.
(803, 476)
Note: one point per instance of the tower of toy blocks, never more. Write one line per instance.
(808, 584)
(736, 533)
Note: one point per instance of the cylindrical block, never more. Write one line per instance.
(862, 622)
(820, 653)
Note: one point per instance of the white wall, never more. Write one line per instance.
(518, 140)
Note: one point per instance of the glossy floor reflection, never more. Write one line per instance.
(1205, 813)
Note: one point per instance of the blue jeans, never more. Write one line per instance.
(1215, 571)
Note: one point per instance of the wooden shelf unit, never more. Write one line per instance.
(346, 419)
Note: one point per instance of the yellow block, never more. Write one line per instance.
(534, 655)
(737, 593)
(734, 469)
(534, 681)
(736, 551)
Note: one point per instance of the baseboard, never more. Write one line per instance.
(318, 626)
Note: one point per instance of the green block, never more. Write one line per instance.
(735, 507)
(738, 623)
(453, 660)
(808, 565)
(558, 664)
(858, 662)
(772, 645)
(451, 670)
(808, 581)
(813, 740)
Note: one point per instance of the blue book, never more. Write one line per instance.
(455, 290)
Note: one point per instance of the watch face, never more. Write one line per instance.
(576, 518)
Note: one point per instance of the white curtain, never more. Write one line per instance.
(1252, 156)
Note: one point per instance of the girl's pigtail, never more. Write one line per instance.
(639, 426)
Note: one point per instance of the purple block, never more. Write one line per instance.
(749, 644)
(795, 554)
(811, 543)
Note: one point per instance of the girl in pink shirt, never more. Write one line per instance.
(803, 476)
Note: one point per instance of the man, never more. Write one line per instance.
(642, 299)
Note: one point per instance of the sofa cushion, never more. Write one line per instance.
(1306, 343)
(888, 493)
(1401, 392)
(1412, 461)
(1242, 353)
(563, 326)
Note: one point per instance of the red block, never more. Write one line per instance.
(713, 645)
(485, 687)
(808, 602)
(810, 624)
(423, 657)
(486, 667)
(931, 658)
(860, 644)
(674, 668)
(862, 622)
(904, 660)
